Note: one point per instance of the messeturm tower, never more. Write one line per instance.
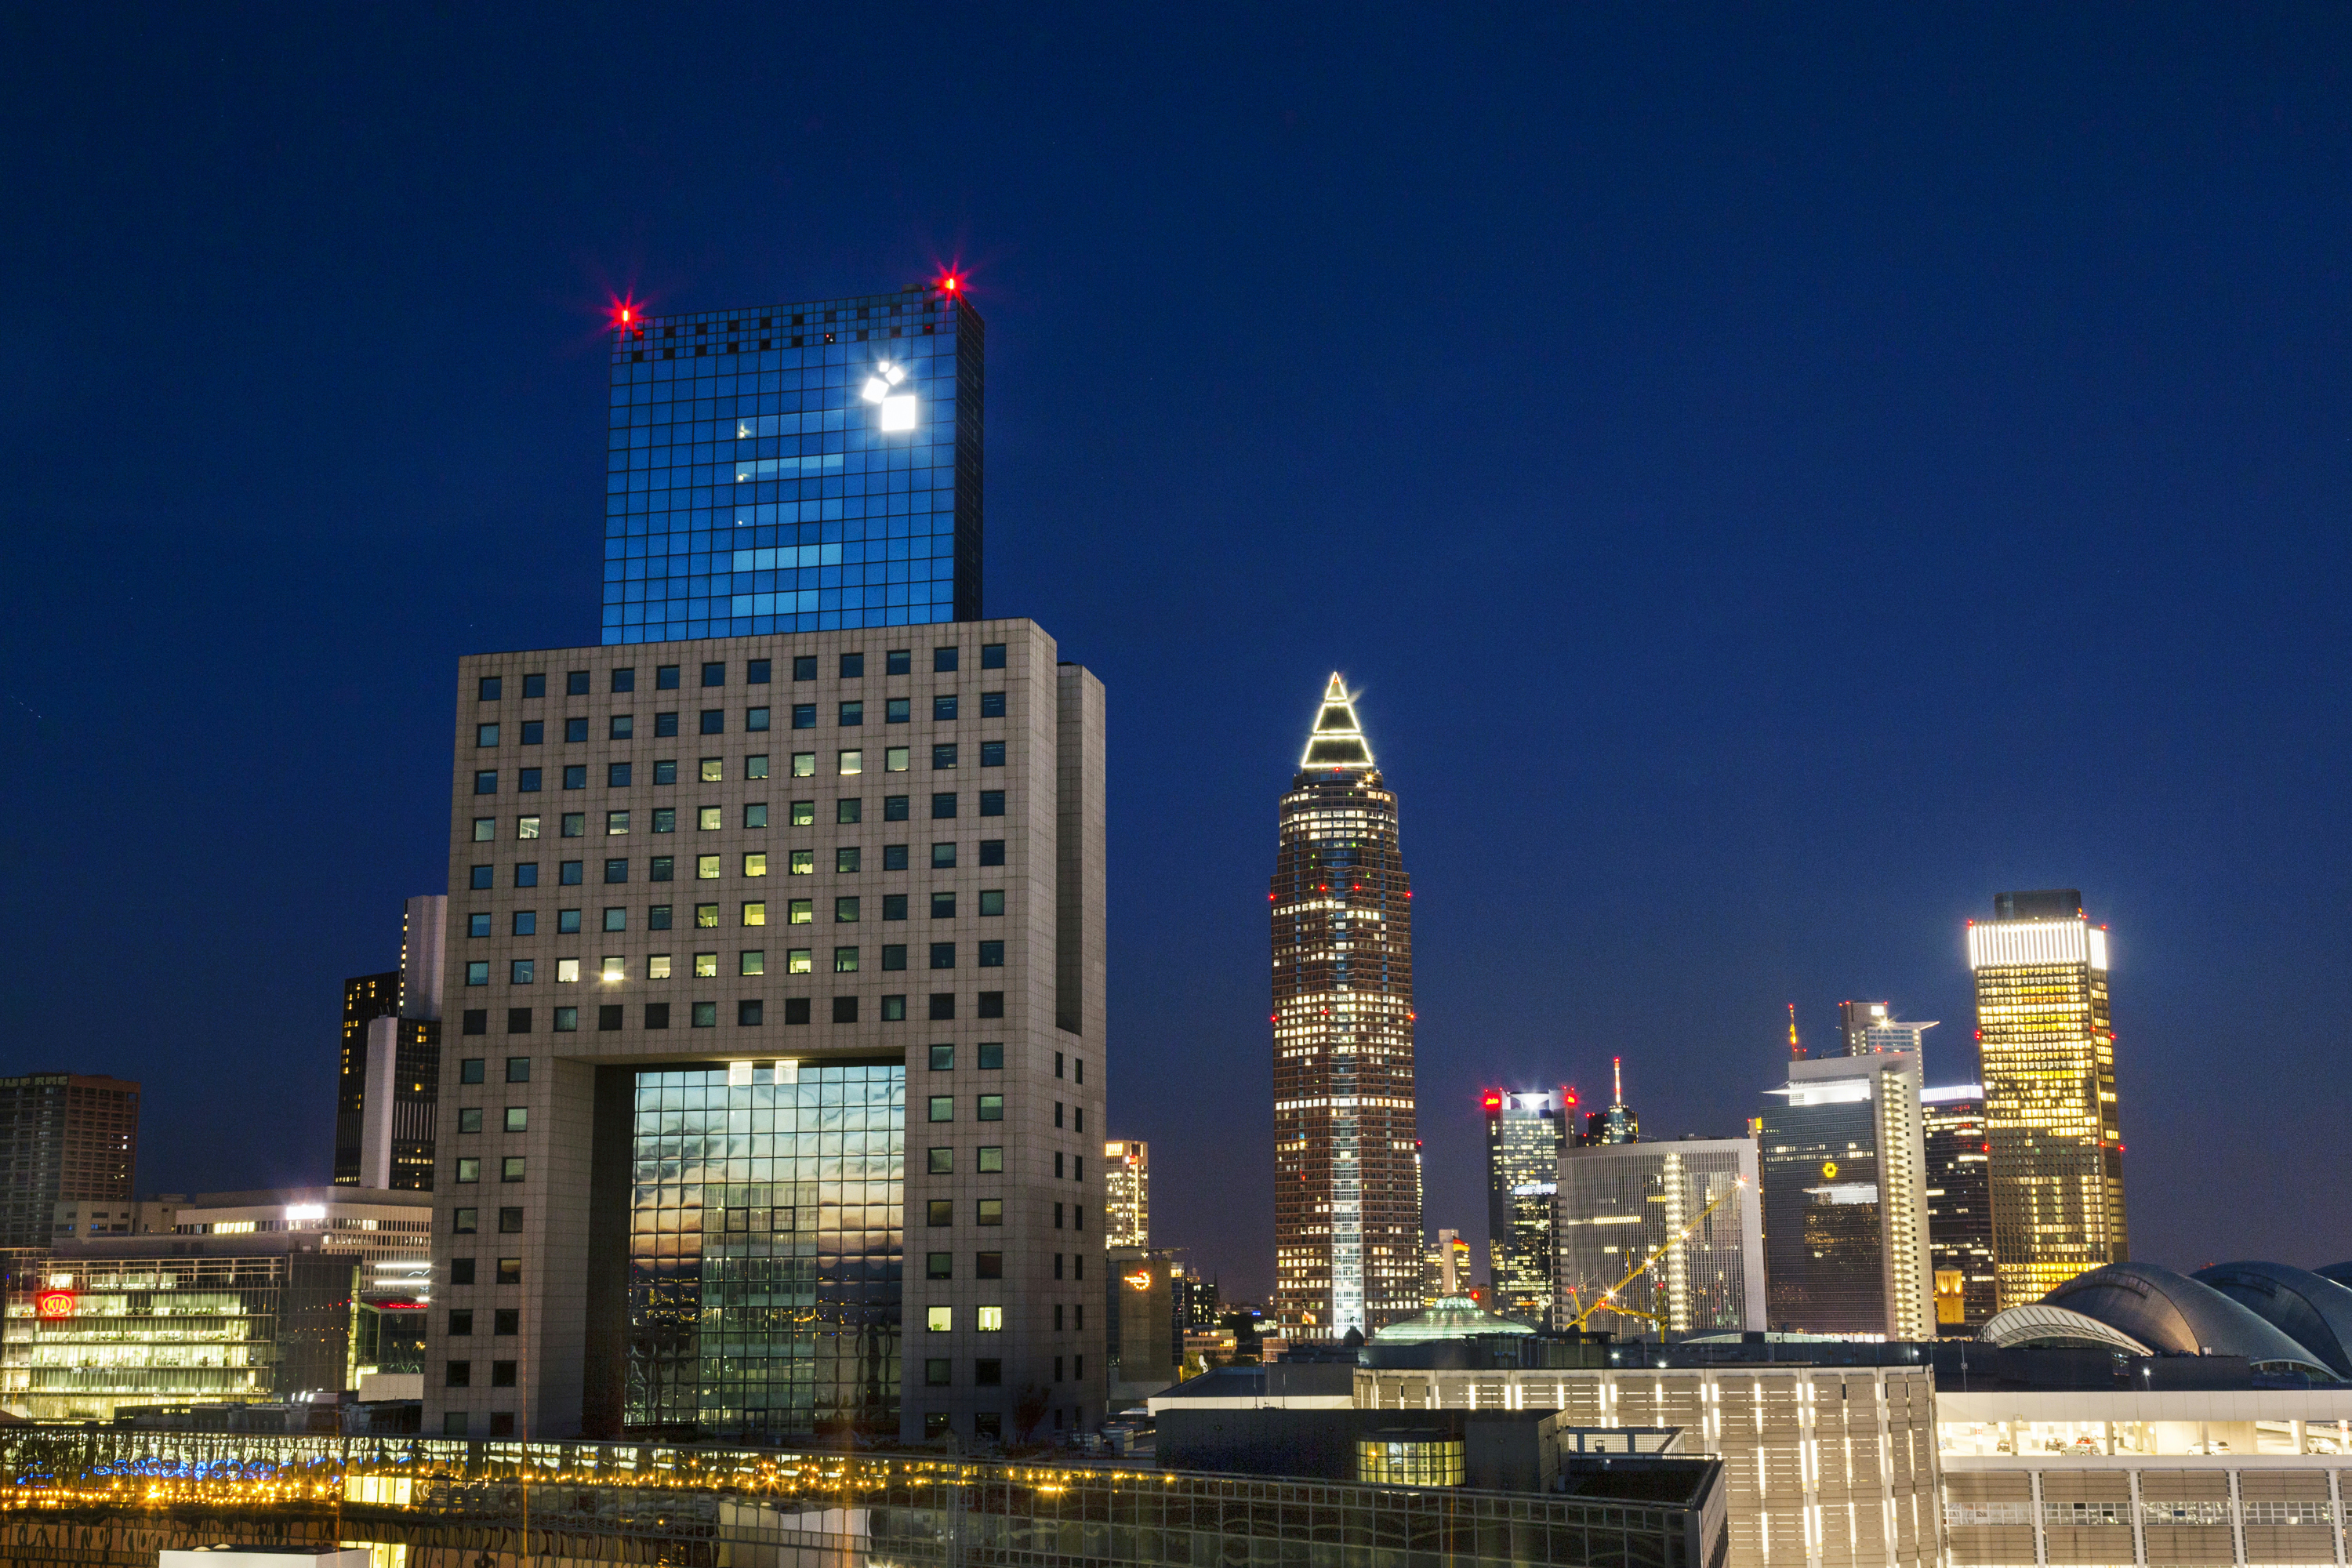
(1347, 1225)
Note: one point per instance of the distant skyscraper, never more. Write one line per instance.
(1524, 1133)
(390, 1082)
(1867, 1028)
(1959, 1208)
(1449, 1267)
(1618, 1125)
(1620, 1202)
(2048, 1055)
(795, 467)
(1127, 1194)
(64, 1137)
(1348, 1239)
(1845, 1199)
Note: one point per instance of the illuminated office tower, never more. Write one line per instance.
(1845, 1167)
(1867, 1028)
(1696, 1198)
(770, 1095)
(63, 1137)
(795, 467)
(1618, 1125)
(1127, 1194)
(1524, 1133)
(1347, 1217)
(391, 1073)
(1449, 1268)
(2048, 1057)
(1959, 1208)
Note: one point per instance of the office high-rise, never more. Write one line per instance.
(1959, 1208)
(1696, 1198)
(1843, 1162)
(1126, 1192)
(1346, 1223)
(1866, 1028)
(64, 1138)
(1526, 1131)
(772, 1093)
(1618, 1125)
(795, 467)
(391, 1069)
(2047, 1054)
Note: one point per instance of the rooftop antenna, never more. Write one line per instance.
(1796, 1049)
(1617, 1080)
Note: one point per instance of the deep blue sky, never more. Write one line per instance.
(1776, 479)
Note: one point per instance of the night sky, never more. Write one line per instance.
(1775, 479)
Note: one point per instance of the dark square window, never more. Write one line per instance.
(755, 672)
(991, 753)
(943, 953)
(510, 1222)
(939, 1265)
(488, 688)
(893, 1009)
(846, 858)
(943, 1163)
(747, 1014)
(992, 803)
(658, 915)
(510, 1271)
(575, 729)
(853, 665)
(992, 1004)
(804, 667)
(943, 660)
(617, 870)
(992, 1056)
(943, 855)
(616, 775)
(943, 808)
(656, 1015)
(518, 1070)
(848, 811)
(935, 1371)
(942, 908)
(894, 809)
(943, 708)
(625, 679)
(803, 716)
(662, 868)
(943, 757)
(991, 1265)
(942, 1005)
(461, 1324)
(461, 1272)
(459, 1373)
(572, 873)
(714, 675)
(852, 714)
(526, 781)
(518, 1020)
(535, 686)
(991, 1107)
(898, 711)
(575, 683)
(941, 1212)
(899, 661)
(894, 906)
(469, 1071)
(755, 814)
(664, 726)
(608, 1016)
(992, 956)
(464, 1222)
(845, 1009)
(527, 874)
(894, 857)
(620, 727)
(894, 953)
(992, 656)
(987, 1372)
(796, 1010)
(943, 1060)
(534, 732)
(576, 776)
(481, 877)
(505, 1321)
(567, 923)
(991, 851)
(477, 1022)
(705, 1015)
(666, 677)
(992, 705)
(714, 721)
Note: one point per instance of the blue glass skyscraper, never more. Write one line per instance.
(795, 469)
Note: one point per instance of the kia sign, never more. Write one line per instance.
(49, 1306)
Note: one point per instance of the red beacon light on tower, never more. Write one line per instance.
(1492, 1101)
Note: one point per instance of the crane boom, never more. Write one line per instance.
(1608, 1301)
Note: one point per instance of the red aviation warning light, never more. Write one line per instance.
(626, 314)
(1492, 1101)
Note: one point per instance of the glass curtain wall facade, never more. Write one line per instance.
(1843, 1163)
(795, 467)
(1525, 1134)
(765, 1251)
(1618, 1203)
(1347, 1237)
(1959, 1209)
(2047, 1052)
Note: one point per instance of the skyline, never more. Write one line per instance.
(1853, 491)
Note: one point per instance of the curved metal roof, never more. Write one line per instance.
(2309, 1308)
(2339, 1272)
(1450, 1318)
(2171, 1312)
(2036, 1324)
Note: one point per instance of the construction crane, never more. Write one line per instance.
(1608, 1302)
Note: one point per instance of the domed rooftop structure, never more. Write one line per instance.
(2173, 1314)
(1452, 1318)
(2036, 1324)
(2339, 1272)
(2309, 1308)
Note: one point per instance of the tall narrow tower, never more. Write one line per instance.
(1347, 1211)
(2055, 1153)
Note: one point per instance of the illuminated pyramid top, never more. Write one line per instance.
(1338, 741)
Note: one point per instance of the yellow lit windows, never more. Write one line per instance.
(755, 863)
(617, 822)
(658, 966)
(706, 966)
(567, 971)
(850, 763)
(804, 862)
(526, 827)
(714, 770)
(804, 814)
(706, 915)
(755, 914)
(939, 1319)
(800, 911)
(614, 969)
(804, 765)
(894, 761)
(797, 961)
(988, 1319)
(711, 818)
(706, 868)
